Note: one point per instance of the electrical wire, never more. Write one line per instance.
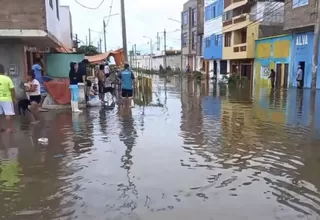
(90, 8)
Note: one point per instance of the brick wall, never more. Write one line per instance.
(26, 14)
(299, 17)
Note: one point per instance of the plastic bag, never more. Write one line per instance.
(94, 102)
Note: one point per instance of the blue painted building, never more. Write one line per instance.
(213, 40)
(302, 51)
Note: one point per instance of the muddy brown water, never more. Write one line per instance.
(186, 151)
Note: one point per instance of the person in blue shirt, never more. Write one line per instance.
(38, 72)
(127, 82)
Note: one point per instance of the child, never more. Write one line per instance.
(33, 88)
(91, 93)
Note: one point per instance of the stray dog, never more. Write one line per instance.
(23, 106)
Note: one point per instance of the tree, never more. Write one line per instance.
(88, 50)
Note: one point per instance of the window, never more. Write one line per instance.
(217, 40)
(214, 12)
(207, 42)
(194, 16)
(184, 39)
(57, 9)
(227, 39)
(227, 15)
(299, 3)
(185, 18)
(51, 3)
(244, 37)
(194, 39)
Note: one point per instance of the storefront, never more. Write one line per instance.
(272, 53)
(302, 52)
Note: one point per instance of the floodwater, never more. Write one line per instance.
(186, 151)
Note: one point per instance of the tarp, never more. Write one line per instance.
(117, 54)
(59, 90)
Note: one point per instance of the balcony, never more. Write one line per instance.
(237, 22)
(235, 4)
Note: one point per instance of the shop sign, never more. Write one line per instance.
(302, 40)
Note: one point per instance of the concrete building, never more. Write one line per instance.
(29, 28)
(200, 32)
(244, 22)
(213, 38)
(299, 19)
(189, 33)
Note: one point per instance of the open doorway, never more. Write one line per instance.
(278, 75)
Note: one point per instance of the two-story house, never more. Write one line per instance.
(29, 27)
(189, 33)
(244, 21)
(299, 19)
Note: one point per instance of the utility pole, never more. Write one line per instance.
(124, 31)
(100, 44)
(89, 36)
(87, 40)
(151, 54)
(77, 42)
(158, 42)
(181, 65)
(315, 51)
(165, 49)
(104, 36)
(135, 54)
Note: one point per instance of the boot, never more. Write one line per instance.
(76, 107)
(72, 106)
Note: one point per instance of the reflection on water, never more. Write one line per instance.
(186, 151)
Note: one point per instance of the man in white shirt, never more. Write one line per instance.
(107, 69)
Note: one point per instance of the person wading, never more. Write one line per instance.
(101, 79)
(7, 98)
(127, 83)
(272, 77)
(299, 77)
(38, 71)
(34, 89)
(74, 88)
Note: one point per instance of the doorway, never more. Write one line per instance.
(278, 75)
(285, 77)
(215, 67)
(246, 70)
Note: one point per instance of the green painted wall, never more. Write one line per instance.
(58, 65)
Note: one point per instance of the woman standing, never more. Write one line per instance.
(272, 77)
(74, 88)
(33, 87)
(101, 79)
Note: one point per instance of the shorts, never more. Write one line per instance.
(108, 89)
(126, 93)
(6, 108)
(35, 98)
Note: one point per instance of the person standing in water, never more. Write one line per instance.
(299, 77)
(272, 77)
(7, 98)
(74, 88)
(127, 82)
(34, 89)
(38, 71)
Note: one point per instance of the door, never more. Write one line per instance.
(278, 75)
(285, 77)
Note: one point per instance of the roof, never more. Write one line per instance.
(96, 59)
(64, 50)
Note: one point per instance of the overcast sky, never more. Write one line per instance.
(143, 18)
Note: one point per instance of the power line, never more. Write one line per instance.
(91, 8)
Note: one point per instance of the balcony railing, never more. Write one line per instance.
(236, 19)
(240, 48)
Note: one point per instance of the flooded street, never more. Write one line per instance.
(186, 152)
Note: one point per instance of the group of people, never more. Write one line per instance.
(299, 78)
(34, 88)
(106, 82)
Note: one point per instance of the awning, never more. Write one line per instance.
(117, 54)
(235, 5)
